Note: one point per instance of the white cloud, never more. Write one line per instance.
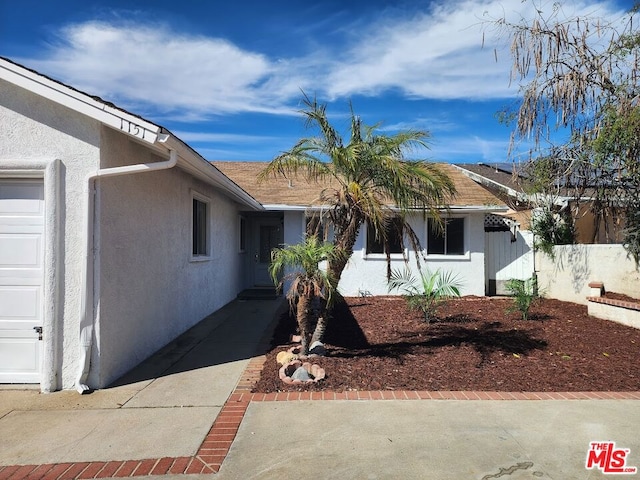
(434, 54)
(189, 136)
(431, 124)
(472, 148)
(150, 64)
(439, 53)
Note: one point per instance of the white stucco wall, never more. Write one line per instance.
(34, 133)
(150, 288)
(567, 277)
(367, 274)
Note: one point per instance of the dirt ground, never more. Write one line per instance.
(475, 343)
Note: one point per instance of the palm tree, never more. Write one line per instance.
(370, 180)
(308, 281)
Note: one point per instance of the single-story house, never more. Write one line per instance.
(480, 247)
(115, 236)
(507, 182)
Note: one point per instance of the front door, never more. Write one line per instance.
(268, 234)
(21, 280)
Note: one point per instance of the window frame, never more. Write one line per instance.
(445, 255)
(206, 201)
(242, 234)
(383, 255)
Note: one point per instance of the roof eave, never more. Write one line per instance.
(190, 161)
(131, 125)
(78, 101)
(456, 208)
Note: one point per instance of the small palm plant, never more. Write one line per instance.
(308, 281)
(525, 293)
(428, 291)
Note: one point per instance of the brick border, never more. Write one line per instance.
(217, 443)
(615, 303)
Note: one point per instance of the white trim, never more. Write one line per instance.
(80, 102)
(560, 200)
(291, 208)
(49, 171)
(191, 162)
(383, 256)
(126, 123)
(440, 256)
(456, 209)
(380, 256)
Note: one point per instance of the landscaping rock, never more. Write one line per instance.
(289, 373)
(301, 374)
(286, 357)
(317, 348)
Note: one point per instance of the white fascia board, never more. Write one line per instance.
(193, 163)
(293, 208)
(80, 102)
(476, 177)
(465, 209)
(461, 209)
(478, 209)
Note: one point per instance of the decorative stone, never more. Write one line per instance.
(317, 348)
(295, 350)
(285, 357)
(301, 374)
(314, 372)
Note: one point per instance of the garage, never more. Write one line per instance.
(21, 280)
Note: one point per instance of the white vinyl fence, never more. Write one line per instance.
(508, 255)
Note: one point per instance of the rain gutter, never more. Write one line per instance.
(87, 301)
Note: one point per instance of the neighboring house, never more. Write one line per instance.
(290, 203)
(115, 236)
(505, 181)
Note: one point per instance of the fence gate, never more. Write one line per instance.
(508, 253)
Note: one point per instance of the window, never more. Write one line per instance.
(447, 242)
(200, 228)
(242, 233)
(393, 232)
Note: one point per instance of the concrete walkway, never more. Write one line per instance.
(188, 413)
(162, 409)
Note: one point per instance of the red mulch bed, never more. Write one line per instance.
(620, 296)
(376, 343)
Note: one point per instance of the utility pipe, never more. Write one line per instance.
(86, 306)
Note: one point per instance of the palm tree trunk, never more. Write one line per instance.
(344, 242)
(302, 314)
(321, 322)
(335, 267)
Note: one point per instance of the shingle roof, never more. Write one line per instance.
(299, 192)
(498, 174)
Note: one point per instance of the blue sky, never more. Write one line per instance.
(226, 77)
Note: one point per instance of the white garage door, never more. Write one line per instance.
(21, 277)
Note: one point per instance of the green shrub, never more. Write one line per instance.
(525, 293)
(427, 292)
(552, 228)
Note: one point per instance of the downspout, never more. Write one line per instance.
(86, 306)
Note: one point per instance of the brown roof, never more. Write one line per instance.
(496, 174)
(297, 191)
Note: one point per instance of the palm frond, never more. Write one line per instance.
(373, 181)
